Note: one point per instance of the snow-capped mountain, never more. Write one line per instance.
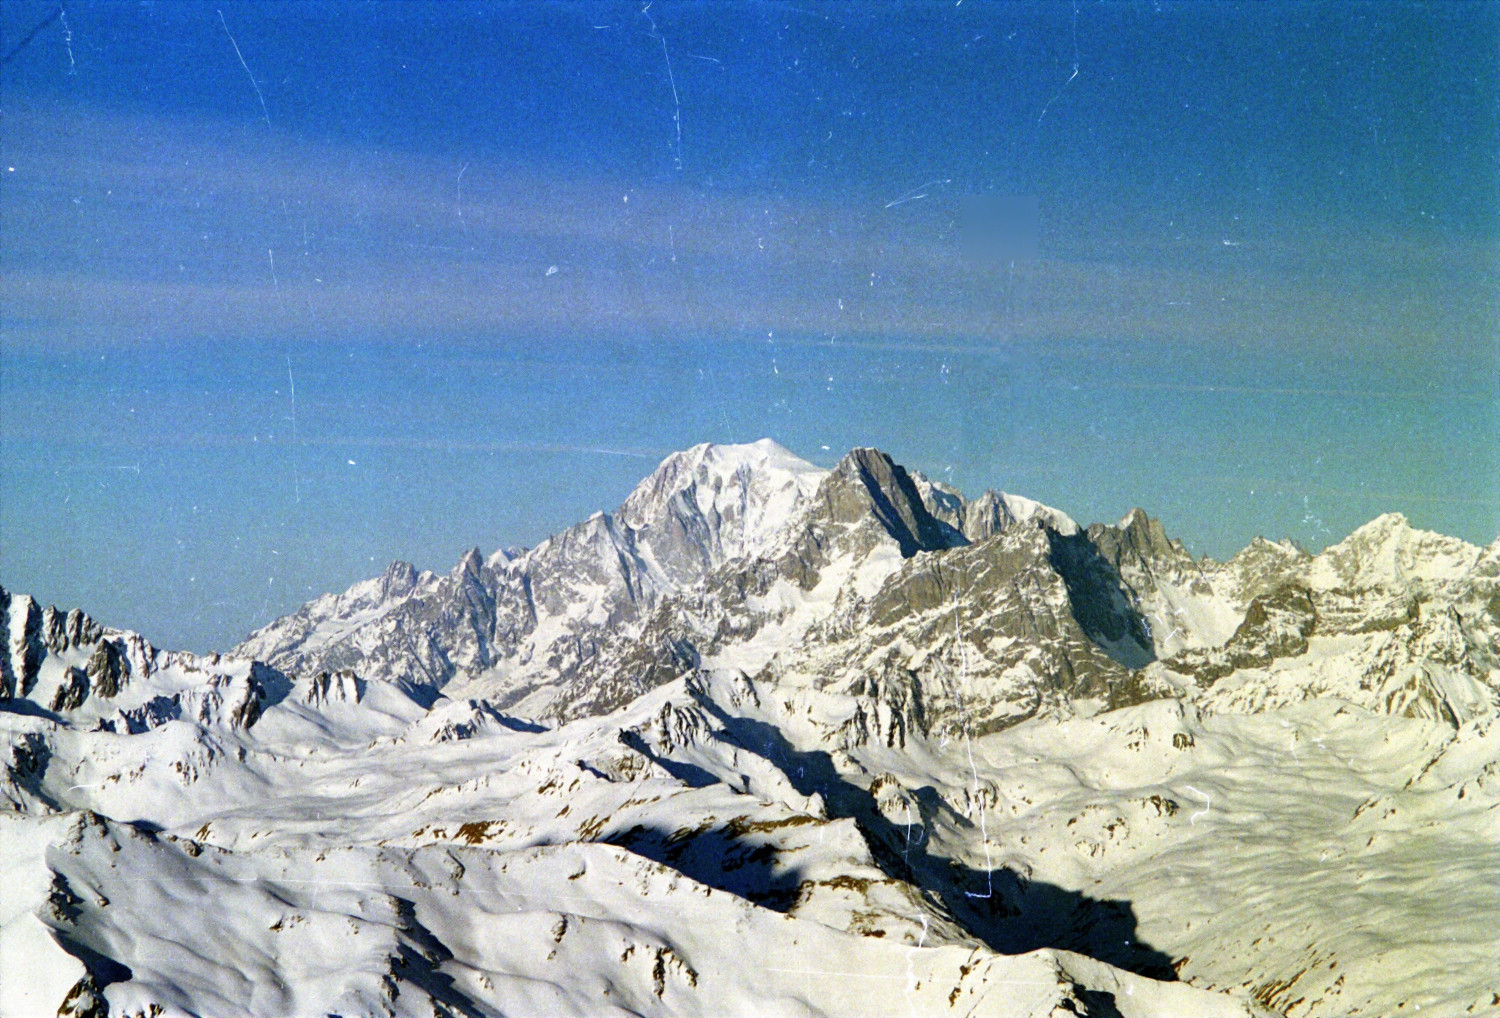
(524, 618)
(920, 754)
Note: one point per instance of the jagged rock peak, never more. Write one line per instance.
(400, 579)
(1284, 548)
(472, 564)
(1143, 527)
(867, 480)
(995, 511)
(1137, 539)
(1388, 549)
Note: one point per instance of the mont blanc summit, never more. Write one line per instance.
(911, 752)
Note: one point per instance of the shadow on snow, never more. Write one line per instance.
(1006, 911)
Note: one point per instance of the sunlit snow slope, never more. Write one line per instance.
(771, 739)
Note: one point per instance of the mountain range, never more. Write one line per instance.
(907, 752)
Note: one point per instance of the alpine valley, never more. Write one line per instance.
(771, 739)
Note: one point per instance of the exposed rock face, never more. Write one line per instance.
(1104, 605)
(400, 579)
(988, 635)
(990, 513)
(868, 483)
(337, 687)
(995, 511)
(1392, 619)
(1000, 607)
(106, 668)
(24, 619)
(88, 676)
(1280, 623)
(72, 691)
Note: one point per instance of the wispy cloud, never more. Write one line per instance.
(130, 228)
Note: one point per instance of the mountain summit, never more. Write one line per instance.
(712, 503)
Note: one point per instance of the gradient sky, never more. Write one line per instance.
(291, 290)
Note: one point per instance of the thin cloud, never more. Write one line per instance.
(125, 229)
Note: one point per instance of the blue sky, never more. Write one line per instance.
(508, 256)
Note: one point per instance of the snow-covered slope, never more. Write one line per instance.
(910, 753)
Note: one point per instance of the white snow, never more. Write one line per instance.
(1315, 831)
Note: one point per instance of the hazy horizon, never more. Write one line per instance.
(292, 291)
